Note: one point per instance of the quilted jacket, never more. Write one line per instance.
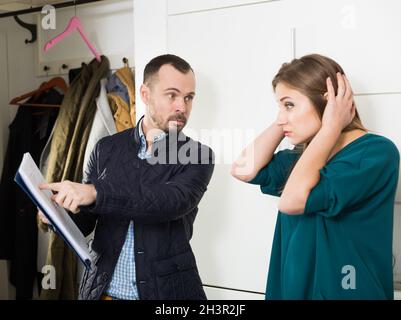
(161, 196)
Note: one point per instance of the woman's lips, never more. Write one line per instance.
(287, 133)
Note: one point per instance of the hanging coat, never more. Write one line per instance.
(29, 132)
(63, 159)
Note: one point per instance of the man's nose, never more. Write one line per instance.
(180, 105)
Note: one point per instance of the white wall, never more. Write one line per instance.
(235, 48)
(150, 31)
(109, 26)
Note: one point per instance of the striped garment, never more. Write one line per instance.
(123, 283)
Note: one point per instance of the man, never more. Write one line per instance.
(142, 189)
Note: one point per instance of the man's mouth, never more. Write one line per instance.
(179, 121)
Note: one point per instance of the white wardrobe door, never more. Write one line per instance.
(235, 53)
(381, 114)
(180, 6)
(361, 35)
(227, 294)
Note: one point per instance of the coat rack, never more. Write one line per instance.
(30, 27)
(39, 9)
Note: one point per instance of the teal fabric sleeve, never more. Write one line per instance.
(345, 184)
(273, 176)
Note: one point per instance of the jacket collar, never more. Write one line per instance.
(136, 133)
(142, 137)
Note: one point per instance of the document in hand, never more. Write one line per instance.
(29, 177)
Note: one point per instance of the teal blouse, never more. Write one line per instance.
(341, 246)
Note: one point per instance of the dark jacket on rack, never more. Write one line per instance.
(161, 198)
(29, 132)
(64, 161)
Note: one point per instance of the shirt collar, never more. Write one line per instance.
(159, 137)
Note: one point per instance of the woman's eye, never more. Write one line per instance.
(289, 105)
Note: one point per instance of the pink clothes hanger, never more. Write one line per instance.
(74, 23)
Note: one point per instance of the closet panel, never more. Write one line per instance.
(227, 294)
(360, 35)
(235, 53)
(180, 6)
(150, 34)
(381, 114)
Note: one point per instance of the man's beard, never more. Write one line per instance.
(166, 128)
(181, 118)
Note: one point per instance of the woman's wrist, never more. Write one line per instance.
(277, 130)
(332, 128)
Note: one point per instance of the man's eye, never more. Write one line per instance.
(189, 98)
(171, 95)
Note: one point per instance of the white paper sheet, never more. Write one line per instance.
(29, 178)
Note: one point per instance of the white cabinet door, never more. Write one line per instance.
(381, 114)
(363, 36)
(235, 50)
(182, 6)
(227, 294)
(235, 53)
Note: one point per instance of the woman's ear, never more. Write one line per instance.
(325, 95)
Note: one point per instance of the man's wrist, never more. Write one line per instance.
(94, 192)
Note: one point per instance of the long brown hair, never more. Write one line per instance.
(308, 75)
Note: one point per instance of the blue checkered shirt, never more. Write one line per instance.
(123, 282)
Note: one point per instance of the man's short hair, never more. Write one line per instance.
(154, 65)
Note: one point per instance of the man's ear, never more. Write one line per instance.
(145, 93)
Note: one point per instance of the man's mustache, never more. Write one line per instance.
(179, 117)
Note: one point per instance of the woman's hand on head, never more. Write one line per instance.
(340, 108)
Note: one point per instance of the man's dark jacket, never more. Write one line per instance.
(161, 198)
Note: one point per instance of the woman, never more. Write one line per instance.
(333, 236)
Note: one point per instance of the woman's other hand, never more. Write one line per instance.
(340, 108)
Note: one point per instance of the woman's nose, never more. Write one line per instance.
(281, 118)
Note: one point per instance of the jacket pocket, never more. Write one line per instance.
(177, 278)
